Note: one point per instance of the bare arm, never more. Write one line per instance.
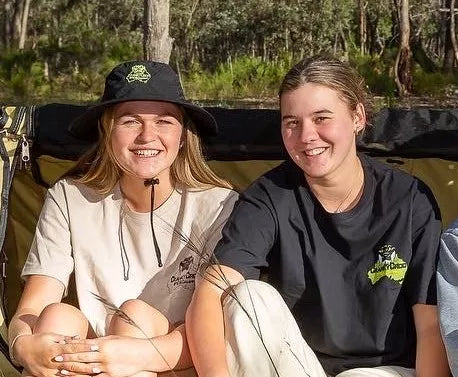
(205, 324)
(39, 292)
(431, 356)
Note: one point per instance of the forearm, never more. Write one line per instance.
(431, 356)
(205, 329)
(21, 325)
(168, 352)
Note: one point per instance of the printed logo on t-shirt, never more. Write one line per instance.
(185, 276)
(389, 265)
(138, 73)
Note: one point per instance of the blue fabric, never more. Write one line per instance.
(447, 286)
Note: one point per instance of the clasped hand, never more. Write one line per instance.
(48, 355)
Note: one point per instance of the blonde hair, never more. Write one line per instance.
(99, 169)
(334, 74)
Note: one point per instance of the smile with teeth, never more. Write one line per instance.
(146, 152)
(314, 151)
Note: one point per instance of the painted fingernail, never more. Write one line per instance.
(59, 358)
(64, 372)
(94, 347)
(96, 370)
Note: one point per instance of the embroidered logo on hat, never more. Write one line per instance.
(138, 73)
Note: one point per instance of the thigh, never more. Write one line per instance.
(384, 371)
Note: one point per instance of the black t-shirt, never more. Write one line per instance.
(350, 278)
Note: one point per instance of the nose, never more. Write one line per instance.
(147, 133)
(308, 132)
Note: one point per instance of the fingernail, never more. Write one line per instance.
(62, 341)
(77, 337)
(94, 347)
(64, 372)
(59, 358)
(96, 370)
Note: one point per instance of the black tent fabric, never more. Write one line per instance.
(255, 134)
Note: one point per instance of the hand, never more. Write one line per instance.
(110, 356)
(36, 353)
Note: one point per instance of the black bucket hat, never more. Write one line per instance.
(141, 81)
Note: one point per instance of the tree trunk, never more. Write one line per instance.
(449, 54)
(16, 21)
(7, 32)
(25, 17)
(362, 26)
(403, 62)
(157, 44)
(452, 29)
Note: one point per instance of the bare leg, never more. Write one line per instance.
(61, 319)
(153, 324)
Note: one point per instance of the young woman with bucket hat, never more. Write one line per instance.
(133, 221)
(350, 244)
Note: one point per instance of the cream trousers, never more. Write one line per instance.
(263, 339)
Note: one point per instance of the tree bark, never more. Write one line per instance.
(18, 9)
(452, 29)
(403, 62)
(449, 54)
(25, 17)
(157, 44)
(362, 26)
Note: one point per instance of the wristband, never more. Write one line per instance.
(13, 360)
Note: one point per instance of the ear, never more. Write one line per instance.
(359, 118)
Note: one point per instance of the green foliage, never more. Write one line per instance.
(224, 49)
(244, 77)
(376, 72)
(433, 84)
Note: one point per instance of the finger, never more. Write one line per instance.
(77, 340)
(82, 357)
(74, 368)
(78, 348)
(69, 338)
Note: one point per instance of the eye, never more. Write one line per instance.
(127, 122)
(291, 123)
(321, 119)
(167, 121)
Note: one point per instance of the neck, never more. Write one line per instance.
(342, 190)
(138, 196)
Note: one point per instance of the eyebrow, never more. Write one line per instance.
(318, 112)
(128, 113)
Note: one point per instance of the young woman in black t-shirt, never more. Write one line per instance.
(349, 243)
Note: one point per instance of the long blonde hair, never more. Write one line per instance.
(98, 167)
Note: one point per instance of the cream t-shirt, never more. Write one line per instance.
(110, 248)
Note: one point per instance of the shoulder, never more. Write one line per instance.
(276, 182)
(207, 198)
(395, 181)
(71, 191)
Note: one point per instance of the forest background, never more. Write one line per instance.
(231, 50)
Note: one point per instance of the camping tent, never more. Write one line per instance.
(36, 149)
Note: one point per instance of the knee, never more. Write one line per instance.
(62, 318)
(61, 309)
(147, 318)
(254, 291)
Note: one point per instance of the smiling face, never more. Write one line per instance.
(318, 129)
(146, 137)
